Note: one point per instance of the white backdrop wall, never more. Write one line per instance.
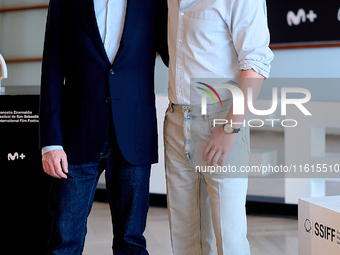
(306, 63)
(22, 33)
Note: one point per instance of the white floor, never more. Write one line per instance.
(267, 235)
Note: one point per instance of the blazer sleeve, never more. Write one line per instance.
(162, 31)
(52, 79)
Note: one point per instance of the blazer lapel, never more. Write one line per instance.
(85, 12)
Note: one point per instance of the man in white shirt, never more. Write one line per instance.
(210, 42)
(97, 112)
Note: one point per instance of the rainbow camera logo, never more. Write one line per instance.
(209, 93)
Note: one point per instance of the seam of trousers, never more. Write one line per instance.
(89, 205)
(200, 213)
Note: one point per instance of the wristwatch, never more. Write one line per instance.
(229, 129)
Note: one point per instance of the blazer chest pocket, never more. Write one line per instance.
(201, 29)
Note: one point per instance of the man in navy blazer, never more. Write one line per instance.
(96, 114)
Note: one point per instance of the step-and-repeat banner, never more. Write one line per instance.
(24, 186)
(303, 21)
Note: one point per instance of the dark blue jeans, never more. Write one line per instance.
(128, 192)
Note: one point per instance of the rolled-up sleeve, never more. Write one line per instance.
(249, 30)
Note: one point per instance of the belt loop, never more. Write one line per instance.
(172, 107)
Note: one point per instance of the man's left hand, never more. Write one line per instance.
(220, 144)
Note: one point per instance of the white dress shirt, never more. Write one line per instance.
(215, 39)
(110, 15)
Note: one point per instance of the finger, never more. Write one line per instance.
(206, 152)
(48, 168)
(60, 174)
(53, 173)
(223, 159)
(57, 169)
(210, 157)
(64, 163)
(216, 158)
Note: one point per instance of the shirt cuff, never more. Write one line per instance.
(257, 67)
(51, 148)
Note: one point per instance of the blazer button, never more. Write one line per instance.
(112, 72)
(107, 100)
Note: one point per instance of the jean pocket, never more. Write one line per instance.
(201, 29)
(246, 136)
(84, 171)
(218, 118)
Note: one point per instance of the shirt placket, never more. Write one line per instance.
(179, 54)
(107, 28)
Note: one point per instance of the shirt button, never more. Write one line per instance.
(112, 72)
(107, 46)
(107, 100)
(182, 13)
(179, 67)
(180, 40)
(178, 93)
(109, 23)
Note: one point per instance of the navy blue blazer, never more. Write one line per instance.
(81, 91)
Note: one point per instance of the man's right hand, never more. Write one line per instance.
(55, 163)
